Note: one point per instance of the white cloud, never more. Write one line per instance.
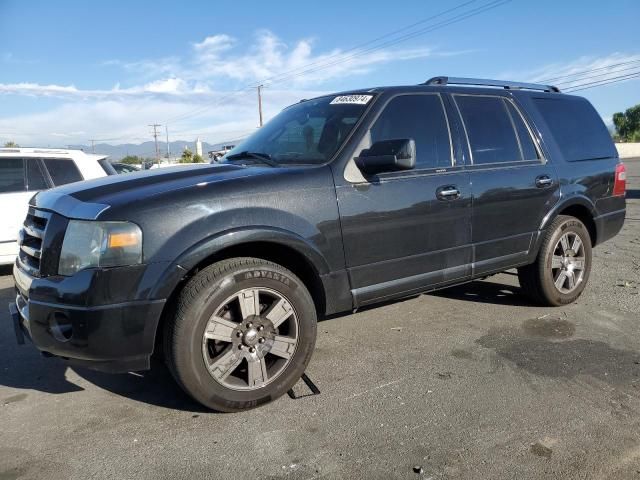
(175, 87)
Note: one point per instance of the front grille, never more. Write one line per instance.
(31, 240)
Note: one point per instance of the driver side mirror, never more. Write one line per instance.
(388, 156)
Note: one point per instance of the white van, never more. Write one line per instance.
(25, 171)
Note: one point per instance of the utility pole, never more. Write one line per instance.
(155, 139)
(166, 128)
(260, 102)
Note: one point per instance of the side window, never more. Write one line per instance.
(62, 171)
(491, 135)
(35, 175)
(11, 175)
(529, 151)
(422, 118)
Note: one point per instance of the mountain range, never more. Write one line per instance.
(147, 149)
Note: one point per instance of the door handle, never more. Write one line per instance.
(448, 192)
(544, 181)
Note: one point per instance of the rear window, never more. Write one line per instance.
(577, 128)
(11, 175)
(62, 171)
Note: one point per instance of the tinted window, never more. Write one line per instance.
(307, 133)
(489, 128)
(529, 151)
(35, 176)
(11, 175)
(422, 118)
(62, 171)
(577, 128)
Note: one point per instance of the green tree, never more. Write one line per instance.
(11, 144)
(628, 124)
(131, 160)
(198, 158)
(187, 156)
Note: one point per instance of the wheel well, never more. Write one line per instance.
(288, 257)
(583, 214)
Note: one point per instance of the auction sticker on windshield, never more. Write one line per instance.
(353, 99)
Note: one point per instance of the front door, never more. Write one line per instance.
(406, 231)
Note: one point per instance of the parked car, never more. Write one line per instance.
(124, 167)
(216, 155)
(338, 202)
(25, 171)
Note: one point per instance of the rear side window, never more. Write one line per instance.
(527, 146)
(577, 128)
(62, 171)
(489, 128)
(35, 175)
(422, 118)
(11, 175)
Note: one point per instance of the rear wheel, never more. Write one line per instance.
(243, 334)
(560, 273)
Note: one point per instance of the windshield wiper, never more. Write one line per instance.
(263, 157)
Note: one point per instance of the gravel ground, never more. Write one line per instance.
(472, 382)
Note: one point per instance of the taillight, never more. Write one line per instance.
(620, 182)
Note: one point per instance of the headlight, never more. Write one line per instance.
(99, 244)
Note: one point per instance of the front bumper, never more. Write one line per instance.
(114, 337)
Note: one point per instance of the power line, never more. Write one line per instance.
(589, 77)
(599, 83)
(369, 42)
(458, 18)
(553, 79)
(321, 65)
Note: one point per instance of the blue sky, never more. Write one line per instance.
(71, 71)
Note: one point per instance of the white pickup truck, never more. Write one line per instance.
(25, 171)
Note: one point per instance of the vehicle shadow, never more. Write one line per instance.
(6, 270)
(22, 367)
(634, 194)
(154, 387)
(487, 292)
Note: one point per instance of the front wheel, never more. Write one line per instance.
(243, 334)
(560, 273)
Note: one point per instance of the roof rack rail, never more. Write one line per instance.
(491, 83)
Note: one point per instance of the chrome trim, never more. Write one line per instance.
(67, 206)
(486, 82)
(34, 232)
(30, 251)
(22, 306)
(23, 281)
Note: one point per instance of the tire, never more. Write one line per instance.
(231, 352)
(555, 278)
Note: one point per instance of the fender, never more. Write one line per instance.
(199, 252)
(567, 201)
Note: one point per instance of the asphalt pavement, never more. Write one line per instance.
(470, 382)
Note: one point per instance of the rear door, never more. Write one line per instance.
(20, 178)
(513, 185)
(403, 231)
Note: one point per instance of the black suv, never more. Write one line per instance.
(338, 202)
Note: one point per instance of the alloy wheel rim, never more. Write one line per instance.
(250, 339)
(568, 262)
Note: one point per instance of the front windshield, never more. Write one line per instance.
(307, 133)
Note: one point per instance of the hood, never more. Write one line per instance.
(87, 199)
